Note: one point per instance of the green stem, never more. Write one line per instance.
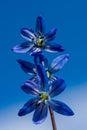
(52, 119)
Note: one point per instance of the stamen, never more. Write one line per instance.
(48, 74)
(40, 42)
(44, 96)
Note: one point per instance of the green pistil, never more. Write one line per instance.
(44, 96)
(40, 42)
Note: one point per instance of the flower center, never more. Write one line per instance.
(48, 74)
(39, 42)
(44, 96)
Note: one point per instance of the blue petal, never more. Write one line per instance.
(23, 48)
(28, 107)
(28, 34)
(40, 58)
(50, 35)
(35, 79)
(35, 50)
(57, 87)
(43, 77)
(53, 47)
(26, 66)
(30, 87)
(36, 53)
(61, 108)
(40, 27)
(53, 78)
(58, 63)
(40, 113)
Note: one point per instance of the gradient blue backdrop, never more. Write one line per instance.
(70, 18)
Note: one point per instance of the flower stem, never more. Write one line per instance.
(52, 119)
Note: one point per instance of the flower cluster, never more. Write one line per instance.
(43, 85)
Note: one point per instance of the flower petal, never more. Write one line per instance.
(61, 108)
(40, 113)
(53, 78)
(43, 77)
(40, 27)
(35, 50)
(50, 35)
(58, 63)
(53, 47)
(40, 58)
(30, 87)
(26, 66)
(28, 34)
(23, 48)
(28, 107)
(35, 79)
(57, 87)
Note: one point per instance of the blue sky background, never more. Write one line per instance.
(70, 18)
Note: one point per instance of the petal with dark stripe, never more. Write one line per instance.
(28, 34)
(50, 35)
(40, 113)
(40, 27)
(35, 50)
(35, 79)
(57, 87)
(23, 48)
(61, 108)
(58, 63)
(31, 87)
(26, 66)
(28, 107)
(40, 58)
(53, 47)
(43, 77)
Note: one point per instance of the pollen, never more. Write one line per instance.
(40, 42)
(44, 96)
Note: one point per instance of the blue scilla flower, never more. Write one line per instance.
(43, 97)
(38, 39)
(52, 68)
(30, 68)
(56, 65)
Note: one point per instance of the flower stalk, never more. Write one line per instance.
(52, 119)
